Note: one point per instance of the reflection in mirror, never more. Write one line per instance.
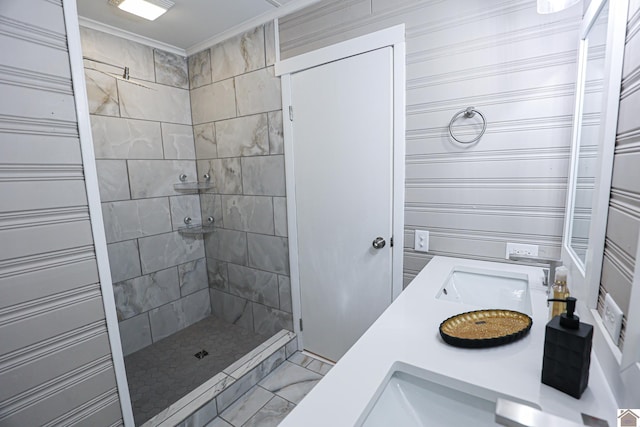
(586, 144)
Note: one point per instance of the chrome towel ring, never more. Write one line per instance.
(468, 113)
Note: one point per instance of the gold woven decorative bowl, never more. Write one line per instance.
(485, 328)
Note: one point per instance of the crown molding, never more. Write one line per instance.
(281, 11)
(288, 8)
(98, 26)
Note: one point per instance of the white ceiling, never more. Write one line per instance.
(190, 22)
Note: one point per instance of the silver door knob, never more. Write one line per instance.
(379, 243)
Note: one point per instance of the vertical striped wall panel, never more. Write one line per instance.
(515, 66)
(55, 359)
(623, 223)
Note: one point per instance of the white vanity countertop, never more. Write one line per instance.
(408, 332)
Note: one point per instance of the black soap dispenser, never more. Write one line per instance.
(567, 352)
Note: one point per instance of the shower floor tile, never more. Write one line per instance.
(167, 370)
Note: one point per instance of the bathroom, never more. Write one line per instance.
(515, 66)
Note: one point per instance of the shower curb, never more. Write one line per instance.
(204, 403)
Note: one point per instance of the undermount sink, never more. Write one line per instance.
(411, 401)
(487, 289)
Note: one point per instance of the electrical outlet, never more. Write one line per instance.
(521, 249)
(421, 243)
(612, 318)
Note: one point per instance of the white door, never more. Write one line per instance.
(343, 156)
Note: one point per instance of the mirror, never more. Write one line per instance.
(601, 53)
(586, 132)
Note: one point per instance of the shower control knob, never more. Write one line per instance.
(379, 243)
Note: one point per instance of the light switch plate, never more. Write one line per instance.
(421, 243)
(520, 249)
(612, 318)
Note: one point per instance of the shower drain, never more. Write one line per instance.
(201, 354)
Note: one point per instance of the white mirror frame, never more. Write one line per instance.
(585, 277)
(578, 269)
(622, 369)
(616, 33)
(567, 250)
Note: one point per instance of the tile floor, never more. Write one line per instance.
(164, 372)
(267, 403)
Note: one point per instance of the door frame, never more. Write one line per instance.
(95, 207)
(391, 37)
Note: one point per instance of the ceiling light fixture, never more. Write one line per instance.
(551, 6)
(147, 9)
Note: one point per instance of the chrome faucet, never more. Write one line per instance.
(550, 276)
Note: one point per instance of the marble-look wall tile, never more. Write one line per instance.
(182, 207)
(113, 180)
(280, 216)
(155, 178)
(275, 360)
(135, 333)
(217, 274)
(179, 314)
(269, 253)
(255, 285)
(270, 43)
(238, 55)
(248, 213)
(205, 140)
(231, 309)
(227, 245)
(193, 276)
(276, 134)
(251, 378)
(211, 205)
(141, 294)
(200, 69)
(118, 51)
(238, 388)
(164, 250)
(159, 103)
(116, 138)
(226, 174)
(124, 260)
(131, 219)
(213, 102)
(204, 416)
(267, 321)
(171, 69)
(177, 141)
(244, 136)
(263, 175)
(284, 288)
(102, 93)
(258, 92)
(291, 347)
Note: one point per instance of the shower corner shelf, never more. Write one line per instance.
(193, 186)
(183, 185)
(196, 229)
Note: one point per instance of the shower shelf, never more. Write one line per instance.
(196, 229)
(183, 185)
(193, 186)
